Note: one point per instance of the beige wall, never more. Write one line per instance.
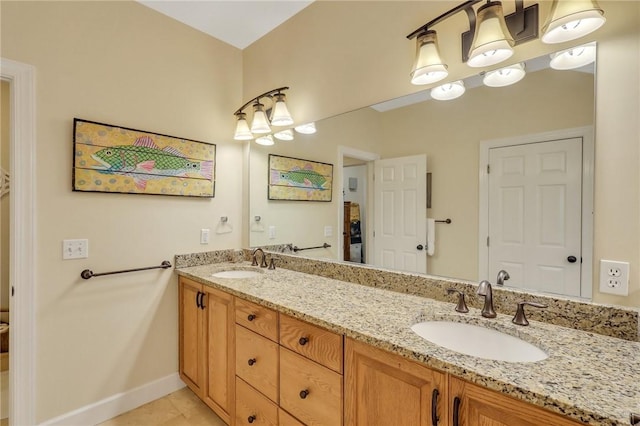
(338, 56)
(4, 202)
(124, 64)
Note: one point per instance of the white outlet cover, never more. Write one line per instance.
(75, 249)
(205, 233)
(614, 277)
(328, 231)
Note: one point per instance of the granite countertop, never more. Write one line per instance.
(589, 377)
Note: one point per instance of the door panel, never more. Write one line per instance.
(400, 213)
(535, 211)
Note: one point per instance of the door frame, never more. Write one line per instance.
(22, 257)
(346, 151)
(588, 155)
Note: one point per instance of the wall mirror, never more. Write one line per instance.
(456, 136)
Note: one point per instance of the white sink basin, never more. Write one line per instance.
(237, 273)
(478, 341)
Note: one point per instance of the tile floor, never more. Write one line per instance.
(180, 408)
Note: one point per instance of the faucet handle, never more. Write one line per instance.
(272, 264)
(520, 318)
(461, 306)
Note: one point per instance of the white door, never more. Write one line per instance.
(535, 198)
(400, 213)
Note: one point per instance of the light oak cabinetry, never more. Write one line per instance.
(287, 367)
(385, 389)
(206, 355)
(473, 405)
(254, 366)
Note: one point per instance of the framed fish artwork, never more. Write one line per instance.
(295, 179)
(116, 159)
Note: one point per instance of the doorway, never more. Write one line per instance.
(536, 208)
(22, 240)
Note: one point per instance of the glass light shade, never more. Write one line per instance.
(428, 66)
(284, 135)
(242, 128)
(266, 140)
(575, 57)
(260, 124)
(572, 19)
(306, 129)
(505, 76)
(280, 115)
(448, 91)
(492, 42)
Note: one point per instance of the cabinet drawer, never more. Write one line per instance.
(263, 321)
(253, 408)
(318, 344)
(309, 391)
(257, 362)
(286, 419)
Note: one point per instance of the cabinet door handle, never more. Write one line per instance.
(303, 341)
(251, 361)
(304, 393)
(456, 411)
(202, 294)
(251, 317)
(198, 299)
(251, 418)
(434, 407)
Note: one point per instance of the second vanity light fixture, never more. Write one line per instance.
(261, 124)
(492, 35)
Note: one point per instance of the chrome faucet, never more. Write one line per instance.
(263, 263)
(484, 289)
(502, 277)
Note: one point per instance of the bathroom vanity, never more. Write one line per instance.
(289, 348)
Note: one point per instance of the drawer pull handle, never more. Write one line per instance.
(251, 361)
(251, 317)
(304, 394)
(303, 341)
(251, 419)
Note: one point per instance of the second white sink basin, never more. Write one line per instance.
(237, 273)
(478, 341)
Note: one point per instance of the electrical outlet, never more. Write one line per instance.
(204, 236)
(614, 277)
(272, 232)
(328, 231)
(75, 249)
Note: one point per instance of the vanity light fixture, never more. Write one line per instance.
(306, 129)
(428, 67)
(260, 123)
(489, 42)
(575, 57)
(284, 135)
(492, 41)
(572, 19)
(448, 91)
(266, 140)
(505, 76)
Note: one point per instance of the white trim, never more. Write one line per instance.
(345, 151)
(117, 404)
(588, 154)
(22, 257)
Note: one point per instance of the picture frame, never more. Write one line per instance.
(296, 179)
(116, 159)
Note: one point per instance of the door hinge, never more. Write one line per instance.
(488, 169)
(487, 241)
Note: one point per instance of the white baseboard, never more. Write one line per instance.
(115, 405)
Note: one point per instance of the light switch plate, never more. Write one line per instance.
(204, 236)
(75, 249)
(328, 231)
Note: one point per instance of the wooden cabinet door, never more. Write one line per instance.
(383, 389)
(192, 368)
(478, 406)
(219, 351)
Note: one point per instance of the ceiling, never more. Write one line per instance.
(237, 22)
